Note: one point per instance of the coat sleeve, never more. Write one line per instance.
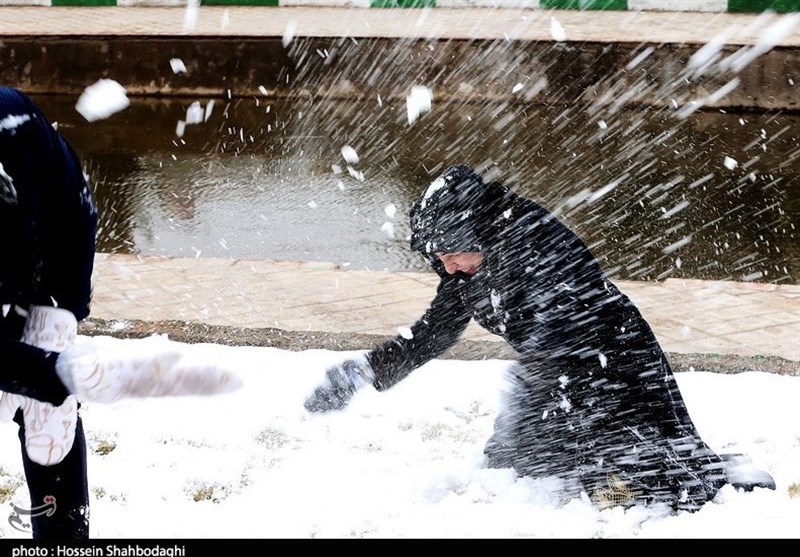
(436, 331)
(30, 371)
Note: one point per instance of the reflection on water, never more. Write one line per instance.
(714, 196)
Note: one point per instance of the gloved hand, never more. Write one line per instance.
(98, 373)
(340, 384)
(49, 430)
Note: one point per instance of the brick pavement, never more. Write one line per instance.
(688, 316)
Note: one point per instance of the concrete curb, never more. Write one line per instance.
(733, 6)
(467, 349)
(134, 48)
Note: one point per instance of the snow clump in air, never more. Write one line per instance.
(349, 154)
(288, 33)
(102, 99)
(556, 30)
(418, 102)
(195, 114)
(177, 65)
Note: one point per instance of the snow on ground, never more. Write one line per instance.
(405, 463)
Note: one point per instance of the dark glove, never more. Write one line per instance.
(341, 383)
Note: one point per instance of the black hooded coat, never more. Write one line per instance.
(48, 223)
(592, 395)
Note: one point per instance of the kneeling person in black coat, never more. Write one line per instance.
(593, 400)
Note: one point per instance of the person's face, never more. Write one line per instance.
(467, 262)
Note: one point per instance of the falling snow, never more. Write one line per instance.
(632, 181)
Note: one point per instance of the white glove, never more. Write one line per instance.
(49, 430)
(100, 374)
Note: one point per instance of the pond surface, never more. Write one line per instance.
(712, 196)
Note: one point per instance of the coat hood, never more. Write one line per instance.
(458, 212)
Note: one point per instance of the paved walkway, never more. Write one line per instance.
(443, 23)
(688, 316)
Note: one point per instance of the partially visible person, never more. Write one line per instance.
(48, 226)
(593, 400)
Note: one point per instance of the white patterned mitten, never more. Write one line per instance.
(101, 374)
(49, 430)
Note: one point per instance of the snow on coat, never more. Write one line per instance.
(48, 223)
(593, 398)
(48, 226)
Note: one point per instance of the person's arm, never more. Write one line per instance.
(103, 374)
(439, 329)
(30, 371)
